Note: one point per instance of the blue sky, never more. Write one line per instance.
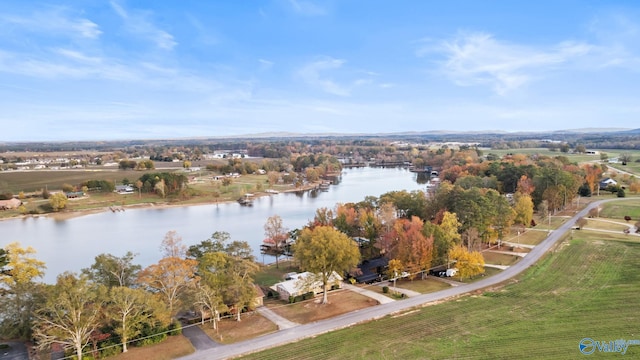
(102, 70)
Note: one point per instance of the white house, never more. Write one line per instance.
(12, 203)
(606, 182)
(302, 283)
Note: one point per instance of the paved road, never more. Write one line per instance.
(199, 339)
(16, 351)
(309, 330)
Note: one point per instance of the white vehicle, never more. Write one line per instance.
(451, 272)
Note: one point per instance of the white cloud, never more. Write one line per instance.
(479, 58)
(314, 75)
(265, 64)
(137, 23)
(306, 7)
(54, 22)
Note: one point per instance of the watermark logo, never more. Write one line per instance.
(588, 346)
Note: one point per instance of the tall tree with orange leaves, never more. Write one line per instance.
(412, 247)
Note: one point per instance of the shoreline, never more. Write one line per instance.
(71, 214)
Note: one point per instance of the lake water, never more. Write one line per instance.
(70, 245)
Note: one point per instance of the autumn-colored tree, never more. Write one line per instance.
(445, 236)
(525, 185)
(58, 201)
(323, 217)
(276, 237)
(450, 227)
(523, 207)
(394, 269)
(169, 278)
(22, 267)
(323, 250)
(346, 219)
(172, 275)
(131, 309)
(70, 315)
(312, 174)
(468, 263)
(592, 174)
(19, 293)
(412, 248)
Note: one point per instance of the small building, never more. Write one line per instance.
(372, 270)
(259, 299)
(9, 204)
(302, 283)
(604, 183)
(74, 194)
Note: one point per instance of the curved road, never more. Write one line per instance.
(283, 337)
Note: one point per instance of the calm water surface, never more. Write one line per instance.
(72, 244)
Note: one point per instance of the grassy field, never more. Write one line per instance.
(587, 289)
(270, 274)
(28, 181)
(619, 209)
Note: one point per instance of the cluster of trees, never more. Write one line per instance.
(99, 185)
(479, 202)
(162, 183)
(116, 301)
(139, 165)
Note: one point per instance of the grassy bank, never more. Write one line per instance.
(587, 289)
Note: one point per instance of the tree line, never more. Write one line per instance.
(116, 303)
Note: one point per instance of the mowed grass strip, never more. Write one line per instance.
(587, 289)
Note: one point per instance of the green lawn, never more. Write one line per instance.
(589, 288)
(620, 209)
(270, 274)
